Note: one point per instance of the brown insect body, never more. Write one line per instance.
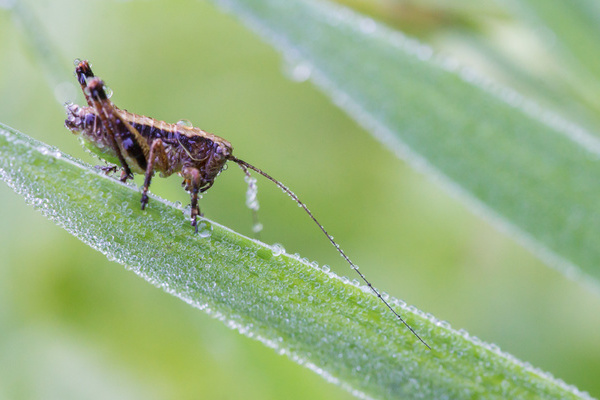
(145, 145)
(184, 146)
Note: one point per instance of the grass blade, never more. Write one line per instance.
(320, 320)
(532, 173)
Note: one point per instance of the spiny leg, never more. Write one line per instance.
(193, 182)
(104, 109)
(95, 95)
(157, 153)
(83, 71)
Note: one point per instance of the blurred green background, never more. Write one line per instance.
(74, 325)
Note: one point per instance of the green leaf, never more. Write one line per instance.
(562, 66)
(530, 172)
(572, 27)
(318, 319)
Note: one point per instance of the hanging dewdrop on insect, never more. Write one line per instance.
(145, 145)
(252, 201)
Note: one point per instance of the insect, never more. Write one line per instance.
(145, 145)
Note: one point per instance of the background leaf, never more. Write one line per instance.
(526, 165)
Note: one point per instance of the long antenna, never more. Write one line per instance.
(244, 165)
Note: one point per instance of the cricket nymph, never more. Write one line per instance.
(145, 145)
(184, 146)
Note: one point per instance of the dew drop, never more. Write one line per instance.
(296, 69)
(204, 229)
(300, 72)
(109, 91)
(185, 122)
(367, 25)
(251, 193)
(258, 227)
(277, 249)
(443, 324)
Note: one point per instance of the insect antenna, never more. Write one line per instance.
(245, 166)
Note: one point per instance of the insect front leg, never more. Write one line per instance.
(157, 154)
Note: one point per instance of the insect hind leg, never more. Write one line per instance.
(83, 72)
(97, 98)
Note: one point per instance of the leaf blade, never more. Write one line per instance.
(318, 319)
(525, 169)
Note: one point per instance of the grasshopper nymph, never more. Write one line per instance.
(145, 145)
